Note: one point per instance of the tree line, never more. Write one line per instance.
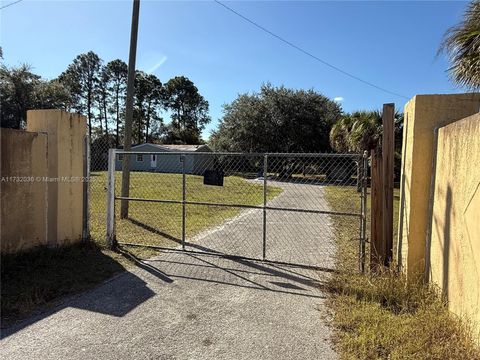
(96, 89)
(277, 119)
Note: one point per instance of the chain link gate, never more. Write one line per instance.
(272, 207)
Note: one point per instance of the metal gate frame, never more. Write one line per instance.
(362, 166)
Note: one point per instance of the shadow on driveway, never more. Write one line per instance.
(183, 306)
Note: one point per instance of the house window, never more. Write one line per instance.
(139, 158)
(120, 157)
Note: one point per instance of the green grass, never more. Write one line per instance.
(37, 278)
(383, 316)
(160, 224)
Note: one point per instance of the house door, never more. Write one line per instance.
(153, 161)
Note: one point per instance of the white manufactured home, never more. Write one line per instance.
(166, 158)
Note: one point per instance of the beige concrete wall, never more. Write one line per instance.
(455, 236)
(66, 133)
(422, 114)
(23, 193)
(47, 207)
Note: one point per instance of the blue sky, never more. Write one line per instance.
(391, 44)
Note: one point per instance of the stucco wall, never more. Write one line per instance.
(23, 193)
(423, 114)
(47, 208)
(455, 234)
(66, 133)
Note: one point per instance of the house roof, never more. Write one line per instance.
(172, 147)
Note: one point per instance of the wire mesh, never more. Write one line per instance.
(240, 174)
(98, 190)
(305, 177)
(262, 206)
(232, 231)
(150, 224)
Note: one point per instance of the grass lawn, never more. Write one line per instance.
(383, 317)
(160, 224)
(36, 278)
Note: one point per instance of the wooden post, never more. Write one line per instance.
(388, 153)
(377, 246)
(127, 141)
(363, 163)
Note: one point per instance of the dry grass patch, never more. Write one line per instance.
(383, 316)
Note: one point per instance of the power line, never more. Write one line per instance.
(308, 53)
(12, 3)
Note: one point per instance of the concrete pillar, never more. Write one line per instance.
(423, 114)
(23, 203)
(65, 146)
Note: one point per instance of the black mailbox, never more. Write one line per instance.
(213, 177)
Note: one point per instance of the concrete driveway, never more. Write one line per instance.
(195, 306)
(293, 237)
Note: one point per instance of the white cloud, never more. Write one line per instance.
(157, 65)
(338, 99)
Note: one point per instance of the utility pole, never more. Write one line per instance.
(127, 142)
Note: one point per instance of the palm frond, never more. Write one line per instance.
(462, 45)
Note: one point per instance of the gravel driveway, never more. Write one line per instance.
(293, 237)
(195, 306)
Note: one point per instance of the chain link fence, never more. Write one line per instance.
(260, 206)
(97, 194)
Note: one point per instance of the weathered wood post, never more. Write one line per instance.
(381, 249)
(377, 246)
(127, 141)
(388, 153)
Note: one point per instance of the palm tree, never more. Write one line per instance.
(462, 45)
(362, 131)
(356, 132)
(366, 131)
(340, 134)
